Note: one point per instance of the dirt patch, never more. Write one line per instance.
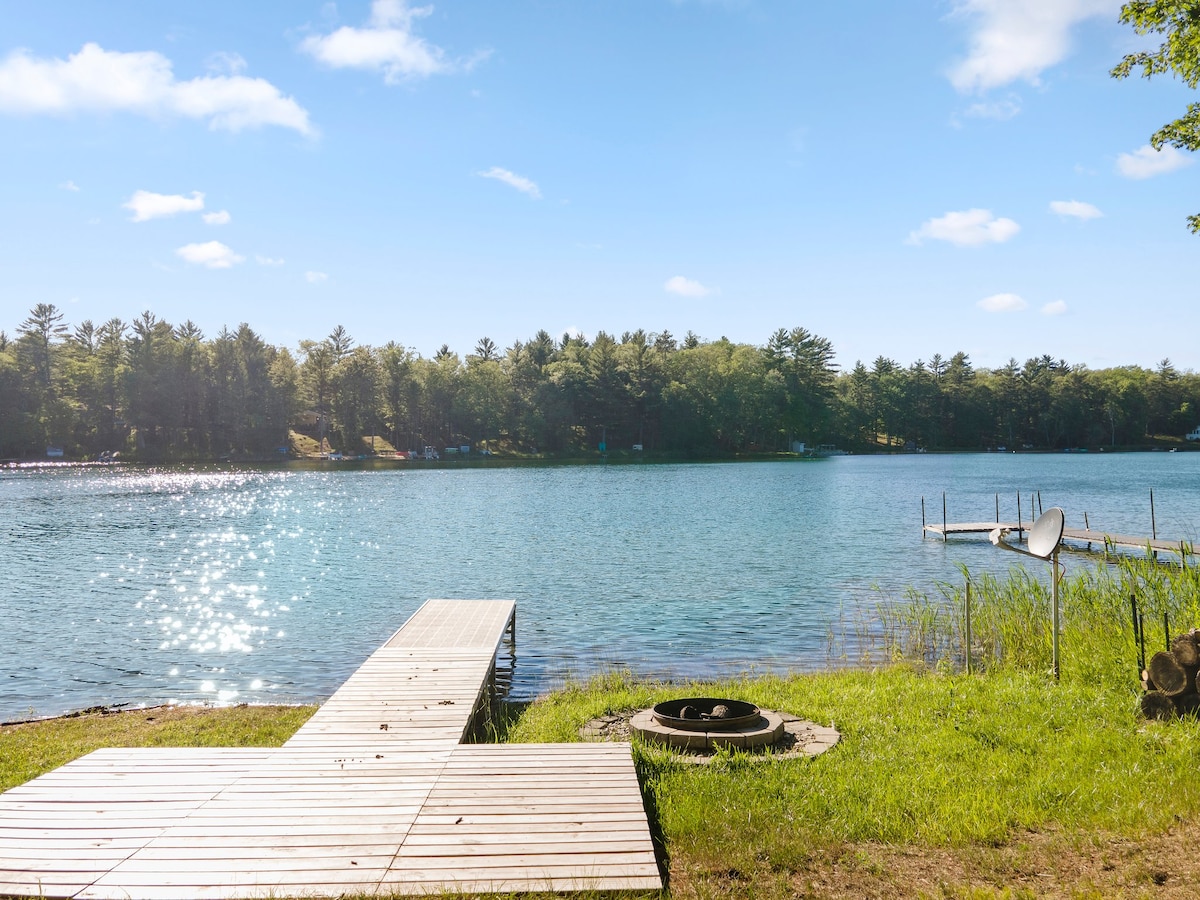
(1032, 865)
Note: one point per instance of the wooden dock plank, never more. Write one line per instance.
(974, 527)
(374, 793)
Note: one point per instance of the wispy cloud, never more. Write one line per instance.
(315, 277)
(520, 182)
(1001, 110)
(1002, 303)
(968, 228)
(685, 287)
(1146, 162)
(1075, 209)
(147, 205)
(68, 185)
(1017, 40)
(225, 63)
(268, 260)
(1055, 308)
(213, 255)
(387, 44)
(220, 217)
(142, 83)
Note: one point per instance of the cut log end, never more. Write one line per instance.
(1167, 674)
(1185, 650)
(1157, 705)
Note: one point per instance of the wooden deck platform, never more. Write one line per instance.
(376, 794)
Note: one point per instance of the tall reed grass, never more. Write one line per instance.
(1011, 620)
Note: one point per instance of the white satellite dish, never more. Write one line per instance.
(1046, 533)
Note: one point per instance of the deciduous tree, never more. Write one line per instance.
(1179, 53)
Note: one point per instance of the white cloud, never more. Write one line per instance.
(1016, 40)
(220, 217)
(1076, 209)
(1000, 110)
(387, 44)
(99, 80)
(268, 261)
(147, 205)
(213, 254)
(69, 185)
(225, 63)
(521, 183)
(968, 228)
(1055, 308)
(685, 287)
(1002, 303)
(1146, 162)
(315, 277)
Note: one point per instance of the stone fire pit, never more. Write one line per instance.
(706, 723)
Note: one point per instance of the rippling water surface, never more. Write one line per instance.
(127, 585)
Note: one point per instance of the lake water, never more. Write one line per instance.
(131, 585)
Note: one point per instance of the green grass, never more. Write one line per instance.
(940, 760)
(29, 749)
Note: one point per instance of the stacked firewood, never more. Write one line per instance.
(1170, 679)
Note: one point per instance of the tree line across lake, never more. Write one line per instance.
(156, 391)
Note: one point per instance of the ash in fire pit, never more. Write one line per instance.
(705, 723)
(706, 714)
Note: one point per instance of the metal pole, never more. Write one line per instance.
(1153, 525)
(943, 516)
(1142, 638)
(967, 648)
(997, 508)
(1040, 510)
(1019, 528)
(1054, 594)
(1137, 626)
(922, 518)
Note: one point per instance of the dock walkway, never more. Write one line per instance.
(375, 794)
(1090, 537)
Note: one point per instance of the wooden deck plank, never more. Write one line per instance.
(456, 623)
(345, 806)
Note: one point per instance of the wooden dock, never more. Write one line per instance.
(1091, 538)
(951, 528)
(374, 794)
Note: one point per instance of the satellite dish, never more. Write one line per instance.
(1046, 533)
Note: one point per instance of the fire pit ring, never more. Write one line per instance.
(706, 723)
(706, 714)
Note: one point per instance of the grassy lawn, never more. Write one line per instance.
(1004, 783)
(947, 785)
(29, 749)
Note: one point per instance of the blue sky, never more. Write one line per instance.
(904, 179)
